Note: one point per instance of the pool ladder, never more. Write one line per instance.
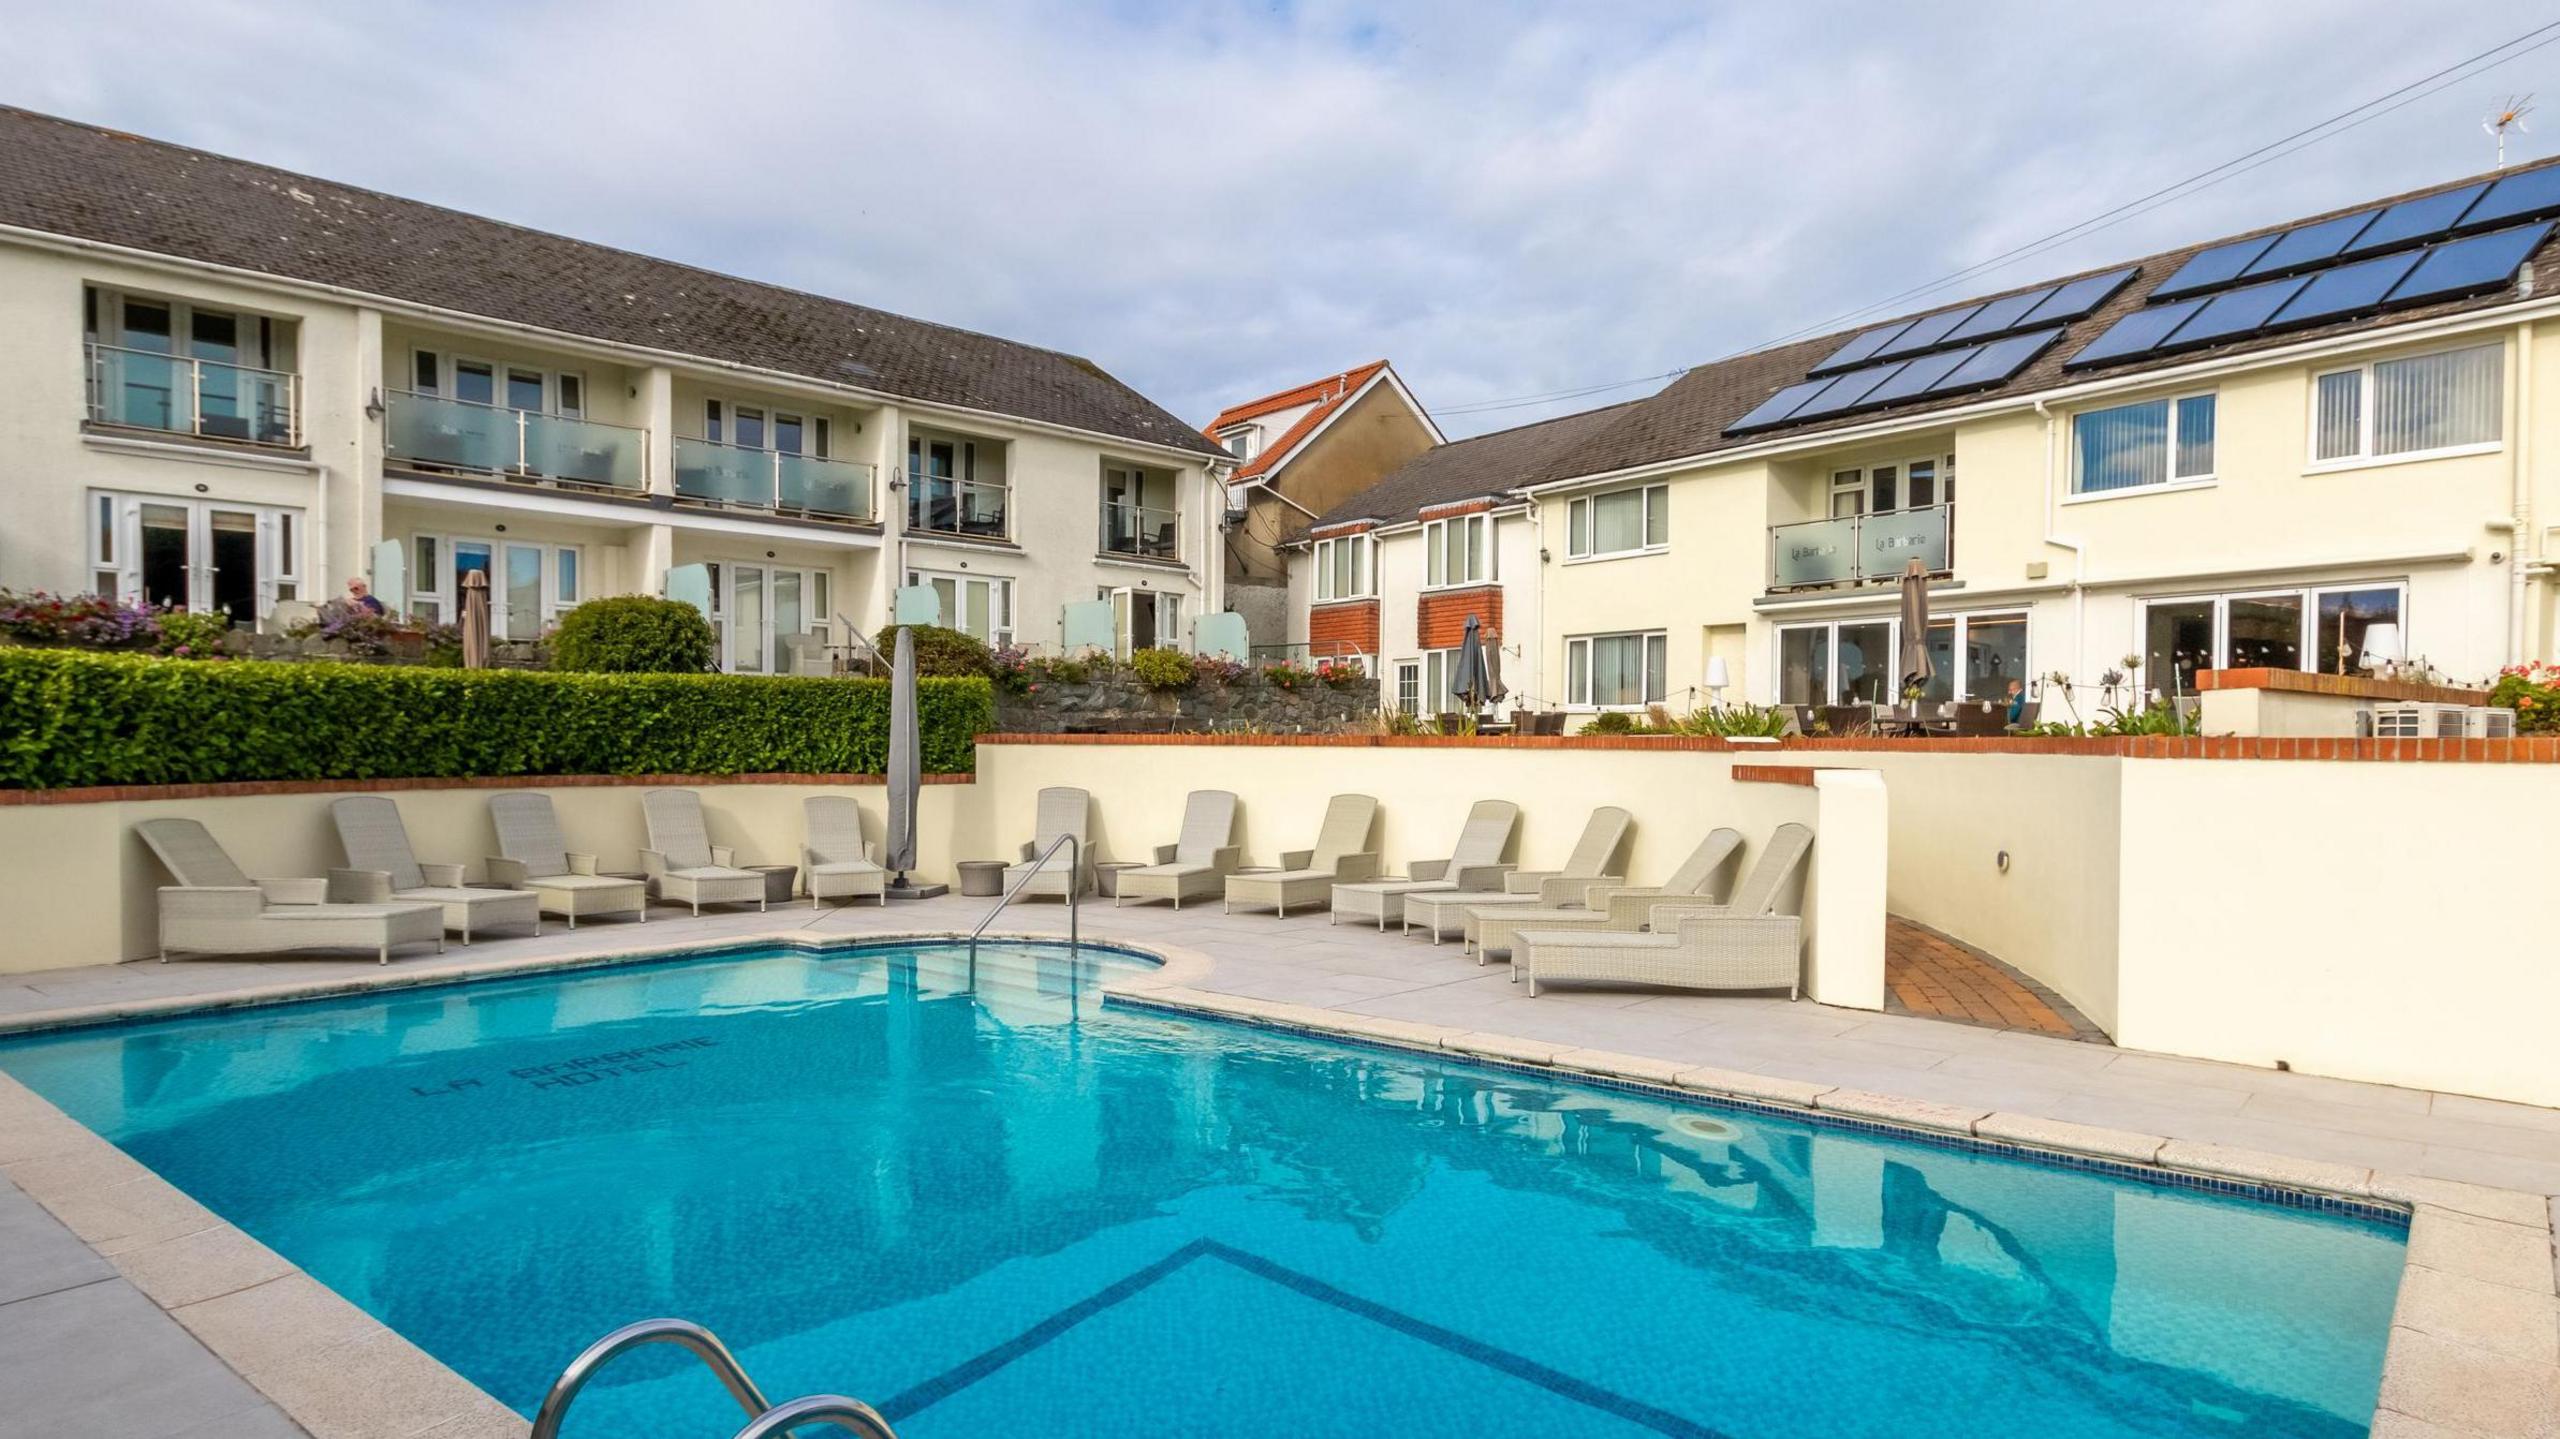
(765, 1420)
(1075, 878)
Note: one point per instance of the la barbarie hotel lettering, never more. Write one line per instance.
(585, 1070)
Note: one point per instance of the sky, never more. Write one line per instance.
(1218, 200)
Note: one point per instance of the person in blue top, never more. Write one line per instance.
(2017, 701)
(360, 595)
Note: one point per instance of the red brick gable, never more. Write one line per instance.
(1440, 616)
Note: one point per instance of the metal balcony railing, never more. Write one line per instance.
(498, 440)
(1139, 530)
(182, 395)
(953, 506)
(780, 480)
(1858, 549)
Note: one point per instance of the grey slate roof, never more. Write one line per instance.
(1487, 465)
(1688, 417)
(65, 178)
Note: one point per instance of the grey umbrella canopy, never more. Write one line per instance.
(906, 759)
(1467, 678)
(1917, 668)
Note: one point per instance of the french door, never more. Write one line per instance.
(1145, 620)
(762, 612)
(204, 556)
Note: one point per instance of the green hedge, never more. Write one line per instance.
(69, 718)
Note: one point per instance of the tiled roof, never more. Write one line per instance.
(1689, 416)
(1488, 465)
(77, 180)
(1326, 395)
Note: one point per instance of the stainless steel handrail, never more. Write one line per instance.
(1075, 881)
(850, 1415)
(685, 1335)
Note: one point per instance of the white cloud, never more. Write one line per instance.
(1216, 200)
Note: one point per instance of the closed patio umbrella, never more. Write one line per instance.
(905, 775)
(1917, 668)
(475, 621)
(1494, 688)
(1467, 678)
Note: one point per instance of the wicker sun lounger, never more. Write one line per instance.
(1443, 914)
(836, 862)
(1474, 866)
(1706, 874)
(1062, 810)
(381, 869)
(1194, 866)
(1756, 942)
(531, 855)
(687, 866)
(1306, 876)
(216, 909)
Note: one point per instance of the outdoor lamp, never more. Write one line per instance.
(2381, 646)
(1718, 676)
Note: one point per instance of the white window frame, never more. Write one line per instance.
(2309, 597)
(1408, 691)
(815, 594)
(1830, 631)
(447, 603)
(1000, 601)
(1486, 567)
(1364, 568)
(1430, 671)
(719, 412)
(1135, 477)
(2364, 456)
(1244, 442)
(112, 519)
(1581, 523)
(442, 362)
(2174, 480)
(1858, 481)
(1657, 665)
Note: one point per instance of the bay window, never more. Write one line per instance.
(2419, 404)
(1346, 568)
(1459, 551)
(1622, 522)
(1615, 671)
(2156, 442)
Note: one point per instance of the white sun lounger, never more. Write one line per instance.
(1475, 866)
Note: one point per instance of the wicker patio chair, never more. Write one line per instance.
(687, 866)
(1194, 866)
(1706, 874)
(1062, 810)
(382, 869)
(1307, 876)
(1603, 835)
(836, 862)
(531, 855)
(216, 909)
(1756, 942)
(1475, 867)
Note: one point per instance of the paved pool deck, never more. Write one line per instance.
(91, 1341)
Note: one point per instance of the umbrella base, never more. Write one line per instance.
(916, 891)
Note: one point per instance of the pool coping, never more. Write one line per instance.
(2474, 1345)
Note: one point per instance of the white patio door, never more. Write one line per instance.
(1145, 619)
(203, 556)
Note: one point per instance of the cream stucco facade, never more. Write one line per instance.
(181, 433)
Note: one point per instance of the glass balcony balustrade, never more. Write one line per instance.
(183, 395)
(1858, 549)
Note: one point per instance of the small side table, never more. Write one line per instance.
(981, 878)
(778, 879)
(1106, 876)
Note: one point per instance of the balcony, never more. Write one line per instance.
(181, 395)
(951, 506)
(1861, 549)
(775, 480)
(1146, 531)
(516, 444)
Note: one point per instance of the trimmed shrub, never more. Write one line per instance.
(1611, 722)
(633, 635)
(941, 652)
(1162, 669)
(69, 718)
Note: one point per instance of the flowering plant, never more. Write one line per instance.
(1288, 675)
(2532, 690)
(361, 630)
(1215, 669)
(1341, 674)
(89, 622)
(1010, 668)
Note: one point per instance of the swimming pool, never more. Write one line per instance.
(997, 1206)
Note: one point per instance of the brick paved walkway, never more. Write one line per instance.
(1930, 975)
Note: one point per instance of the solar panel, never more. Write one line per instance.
(2517, 197)
(1925, 332)
(2219, 265)
(2424, 218)
(1999, 317)
(1847, 390)
(2480, 262)
(2234, 312)
(2346, 289)
(1994, 363)
(2135, 334)
(2078, 298)
(1918, 375)
(1860, 349)
(1778, 406)
(2307, 245)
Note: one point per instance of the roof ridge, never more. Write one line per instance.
(1246, 409)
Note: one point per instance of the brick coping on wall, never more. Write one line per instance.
(2339, 686)
(2527, 749)
(111, 793)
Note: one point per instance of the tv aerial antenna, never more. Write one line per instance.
(2508, 116)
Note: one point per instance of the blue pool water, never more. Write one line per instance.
(999, 1208)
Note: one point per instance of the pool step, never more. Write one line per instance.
(765, 1419)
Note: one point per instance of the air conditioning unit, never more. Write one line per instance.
(2489, 722)
(2414, 720)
